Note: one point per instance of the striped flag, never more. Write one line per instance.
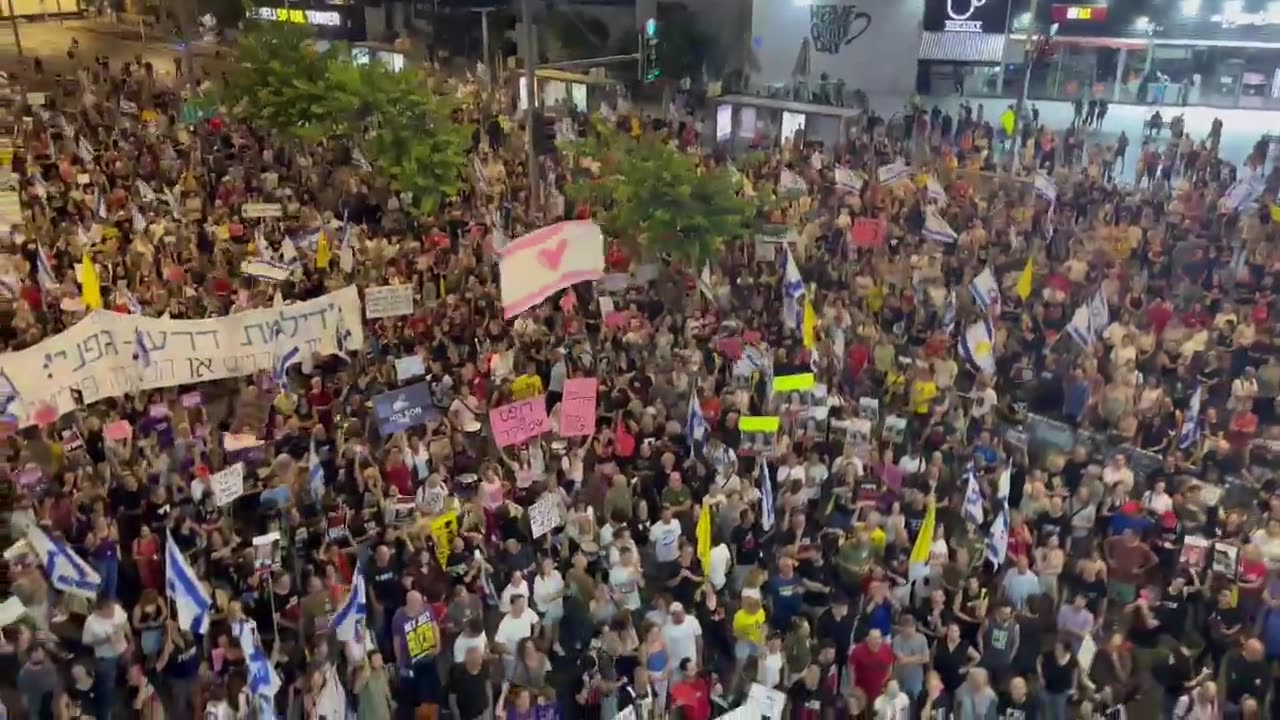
(85, 150)
(695, 424)
(949, 311)
(349, 619)
(766, 496)
(1080, 328)
(977, 345)
(1045, 187)
(998, 537)
(185, 591)
(792, 291)
(934, 190)
(893, 173)
(985, 290)
(358, 159)
(848, 180)
(44, 270)
(315, 473)
(972, 508)
(1190, 431)
(937, 229)
(140, 351)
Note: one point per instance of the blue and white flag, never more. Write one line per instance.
(792, 291)
(1045, 187)
(8, 396)
(141, 353)
(1099, 313)
(893, 173)
(102, 206)
(315, 473)
(144, 190)
(972, 508)
(766, 496)
(131, 302)
(934, 190)
(85, 150)
(1080, 328)
(1246, 190)
(139, 221)
(985, 290)
(185, 591)
(285, 356)
(937, 229)
(998, 538)
(695, 424)
(358, 159)
(264, 682)
(1190, 431)
(349, 620)
(789, 183)
(849, 180)
(949, 311)
(977, 346)
(44, 270)
(67, 572)
(1003, 483)
(346, 253)
(309, 241)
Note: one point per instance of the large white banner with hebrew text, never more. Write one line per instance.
(99, 357)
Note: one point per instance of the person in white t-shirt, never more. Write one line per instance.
(625, 580)
(771, 663)
(106, 631)
(472, 636)
(718, 566)
(516, 586)
(665, 535)
(683, 634)
(893, 704)
(548, 596)
(515, 626)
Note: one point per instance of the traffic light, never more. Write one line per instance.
(649, 70)
(544, 133)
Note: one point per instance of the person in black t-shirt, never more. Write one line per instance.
(1018, 705)
(1246, 675)
(1058, 673)
(470, 692)
(935, 702)
(1176, 676)
(745, 541)
(1223, 627)
(804, 697)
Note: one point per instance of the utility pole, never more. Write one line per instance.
(484, 38)
(530, 62)
(1029, 58)
(13, 20)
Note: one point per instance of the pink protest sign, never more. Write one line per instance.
(519, 421)
(119, 431)
(578, 408)
(192, 399)
(617, 319)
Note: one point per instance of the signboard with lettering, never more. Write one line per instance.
(402, 409)
(422, 636)
(971, 16)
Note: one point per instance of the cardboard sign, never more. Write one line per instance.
(867, 232)
(261, 210)
(388, 301)
(578, 407)
(158, 410)
(519, 421)
(119, 431)
(410, 366)
(544, 516)
(71, 441)
(228, 484)
(192, 399)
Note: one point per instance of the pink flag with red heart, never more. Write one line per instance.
(536, 265)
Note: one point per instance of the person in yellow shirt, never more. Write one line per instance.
(526, 386)
(749, 625)
(923, 392)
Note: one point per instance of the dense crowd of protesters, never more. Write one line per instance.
(1093, 488)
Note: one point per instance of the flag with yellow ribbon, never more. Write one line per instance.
(919, 562)
(90, 287)
(1024, 280)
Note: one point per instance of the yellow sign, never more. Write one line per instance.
(1275, 214)
(421, 635)
(443, 530)
(793, 383)
(759, 424)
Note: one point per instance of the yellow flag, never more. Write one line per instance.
(703, 535)
(90, 288)
(919, 561)
(322, 252)
(810, 326)
(1024, 280)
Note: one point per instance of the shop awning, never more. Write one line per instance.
(962, 47)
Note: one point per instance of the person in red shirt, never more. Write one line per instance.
(397, 475)
(1159, 314)
(872, 664)
(692, 694)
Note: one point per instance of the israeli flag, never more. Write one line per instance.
(44, 270)
(185, 591)
(358, 159)
(705, 285)
(766, 496)
(8, 396)
(1080, 328)
(849, 180)
(937, 229)
(311, 240)
(893, 173)
(1190, 431)
(130, 301)
(85, 150)
(346, 254)
(139, 221)
(284, 358)
(789, 183)
(977, 346)
(66, 571)
(695, 424)
(315, 473)
(985, 290)
(1045, 187)
(102, 206)
(144, 190)
(1003, 483)
(998, 538)
(934, 191)
(288, 251)
(972, 508)
(792, 291)
(264, 682)
(349, 620)
(949, 311)
(1099, 313)
(140, 351)
(1245, 191)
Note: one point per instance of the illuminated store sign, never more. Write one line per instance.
(299, 16)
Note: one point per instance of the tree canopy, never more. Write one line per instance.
(657, 200)
(401, 121)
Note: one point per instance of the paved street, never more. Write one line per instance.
(51, 39)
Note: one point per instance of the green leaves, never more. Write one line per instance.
(283, 83)
(656, 199)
